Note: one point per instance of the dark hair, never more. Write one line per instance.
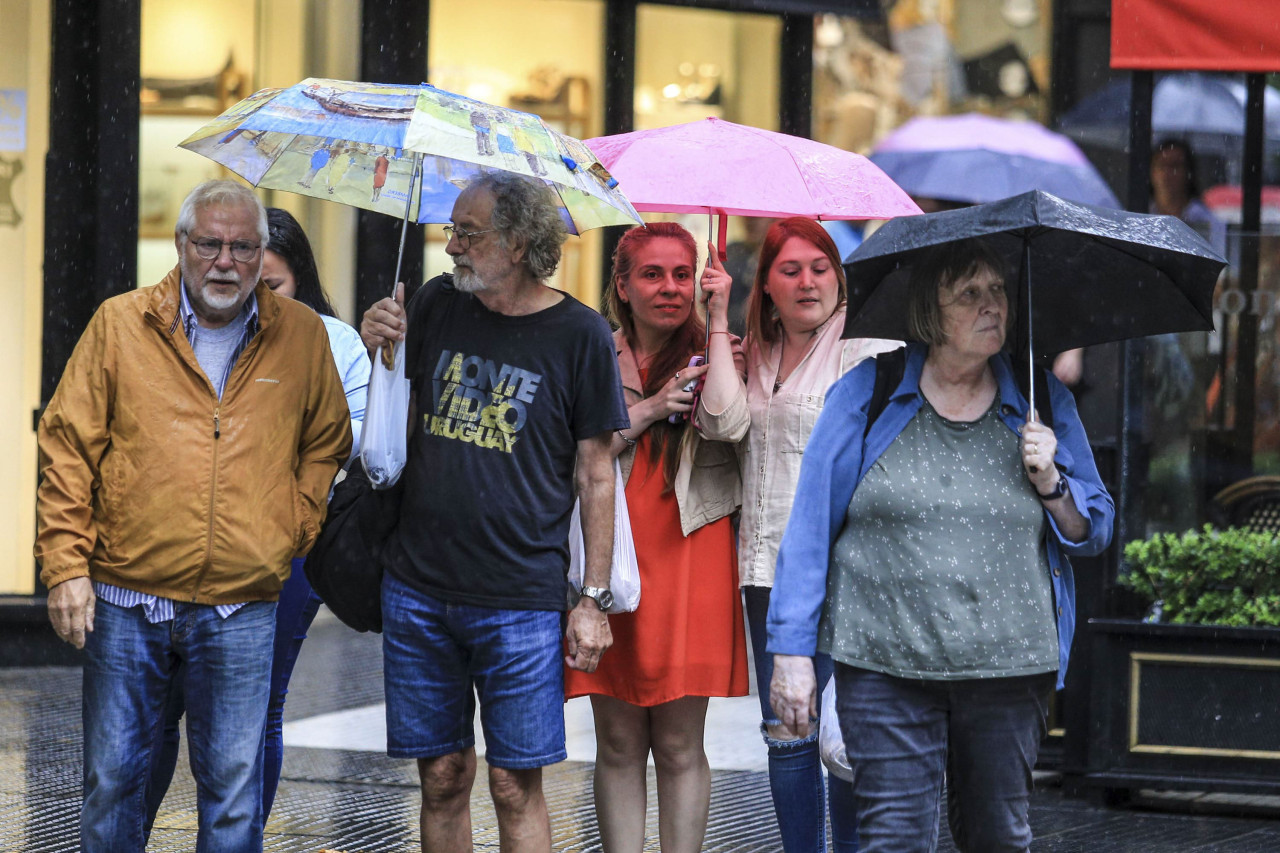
(684, 342)
(289, 241)
(762, 316)
(940, 267)
(1173, 143)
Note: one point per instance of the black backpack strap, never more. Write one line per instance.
(889, 369)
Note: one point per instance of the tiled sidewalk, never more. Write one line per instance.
(343, 795)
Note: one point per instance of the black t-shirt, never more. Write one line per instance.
(501, 404)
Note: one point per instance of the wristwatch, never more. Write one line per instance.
(1057, 491)
(600, 595)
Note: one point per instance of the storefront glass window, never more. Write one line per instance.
(1201, 431)
(694, 63)
(185, 82)
(24, 122)
(244, 45)
(928, 57)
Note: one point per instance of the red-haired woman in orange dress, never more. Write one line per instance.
(685, 642)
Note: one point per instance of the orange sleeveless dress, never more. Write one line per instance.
(686, 637)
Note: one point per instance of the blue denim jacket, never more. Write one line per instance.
(836, 459)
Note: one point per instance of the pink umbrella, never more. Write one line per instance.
(718, 167)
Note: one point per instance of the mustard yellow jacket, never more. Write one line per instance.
(150, 482)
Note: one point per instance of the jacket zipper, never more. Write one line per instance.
(213, 490)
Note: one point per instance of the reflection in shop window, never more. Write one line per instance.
(695, 63)
(928, 57)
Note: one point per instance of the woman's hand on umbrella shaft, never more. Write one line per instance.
(793, 693)
(716, 284)
(1039, 447)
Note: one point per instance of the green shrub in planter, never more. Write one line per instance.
(1210, 577)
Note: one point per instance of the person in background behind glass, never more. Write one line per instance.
(1175, 191)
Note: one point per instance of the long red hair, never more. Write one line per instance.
(687, 340)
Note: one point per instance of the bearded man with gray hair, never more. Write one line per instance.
(517, 398)
(186, 457)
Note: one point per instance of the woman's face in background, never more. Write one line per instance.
(277, 275)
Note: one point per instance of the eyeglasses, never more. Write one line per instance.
(464, 236)
(242, 251)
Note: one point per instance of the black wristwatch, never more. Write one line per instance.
(600, 595)
(1058, 490)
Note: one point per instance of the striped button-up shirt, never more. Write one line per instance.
(155, 608)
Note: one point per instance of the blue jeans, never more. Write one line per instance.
(905, 736)
(130, 667)
(795, 766)
(295, 612)
(437, 657)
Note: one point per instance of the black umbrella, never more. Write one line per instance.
(1085, 275)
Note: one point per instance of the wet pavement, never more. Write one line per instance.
(339, 792)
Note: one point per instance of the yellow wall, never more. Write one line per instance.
(170, 50)
(24, 64)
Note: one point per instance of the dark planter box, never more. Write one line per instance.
(1190, 707)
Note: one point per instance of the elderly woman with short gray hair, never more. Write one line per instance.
(926, 552)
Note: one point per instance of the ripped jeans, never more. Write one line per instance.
(795, 767)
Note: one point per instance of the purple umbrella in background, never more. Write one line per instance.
(976, 159)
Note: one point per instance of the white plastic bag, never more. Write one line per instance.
(383, 445)
(624, 579)
(830, 741)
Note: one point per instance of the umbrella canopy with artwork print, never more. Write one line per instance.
(406, 151)
(1085, 275)
(975, 159)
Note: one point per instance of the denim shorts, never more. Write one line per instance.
(438, 657)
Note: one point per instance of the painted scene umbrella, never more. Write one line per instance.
(975, 159)
(1085, 275)
(406, 151)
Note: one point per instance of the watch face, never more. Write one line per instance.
(605, 600)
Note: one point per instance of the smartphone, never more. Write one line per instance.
(693, 385)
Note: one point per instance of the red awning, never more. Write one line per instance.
(1200, 35)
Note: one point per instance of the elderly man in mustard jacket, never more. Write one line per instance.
(185, 458)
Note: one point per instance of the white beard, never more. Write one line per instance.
(208, 296)
(218, 301)
(466, 280)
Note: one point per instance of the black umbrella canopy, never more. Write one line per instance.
(1096, 274)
